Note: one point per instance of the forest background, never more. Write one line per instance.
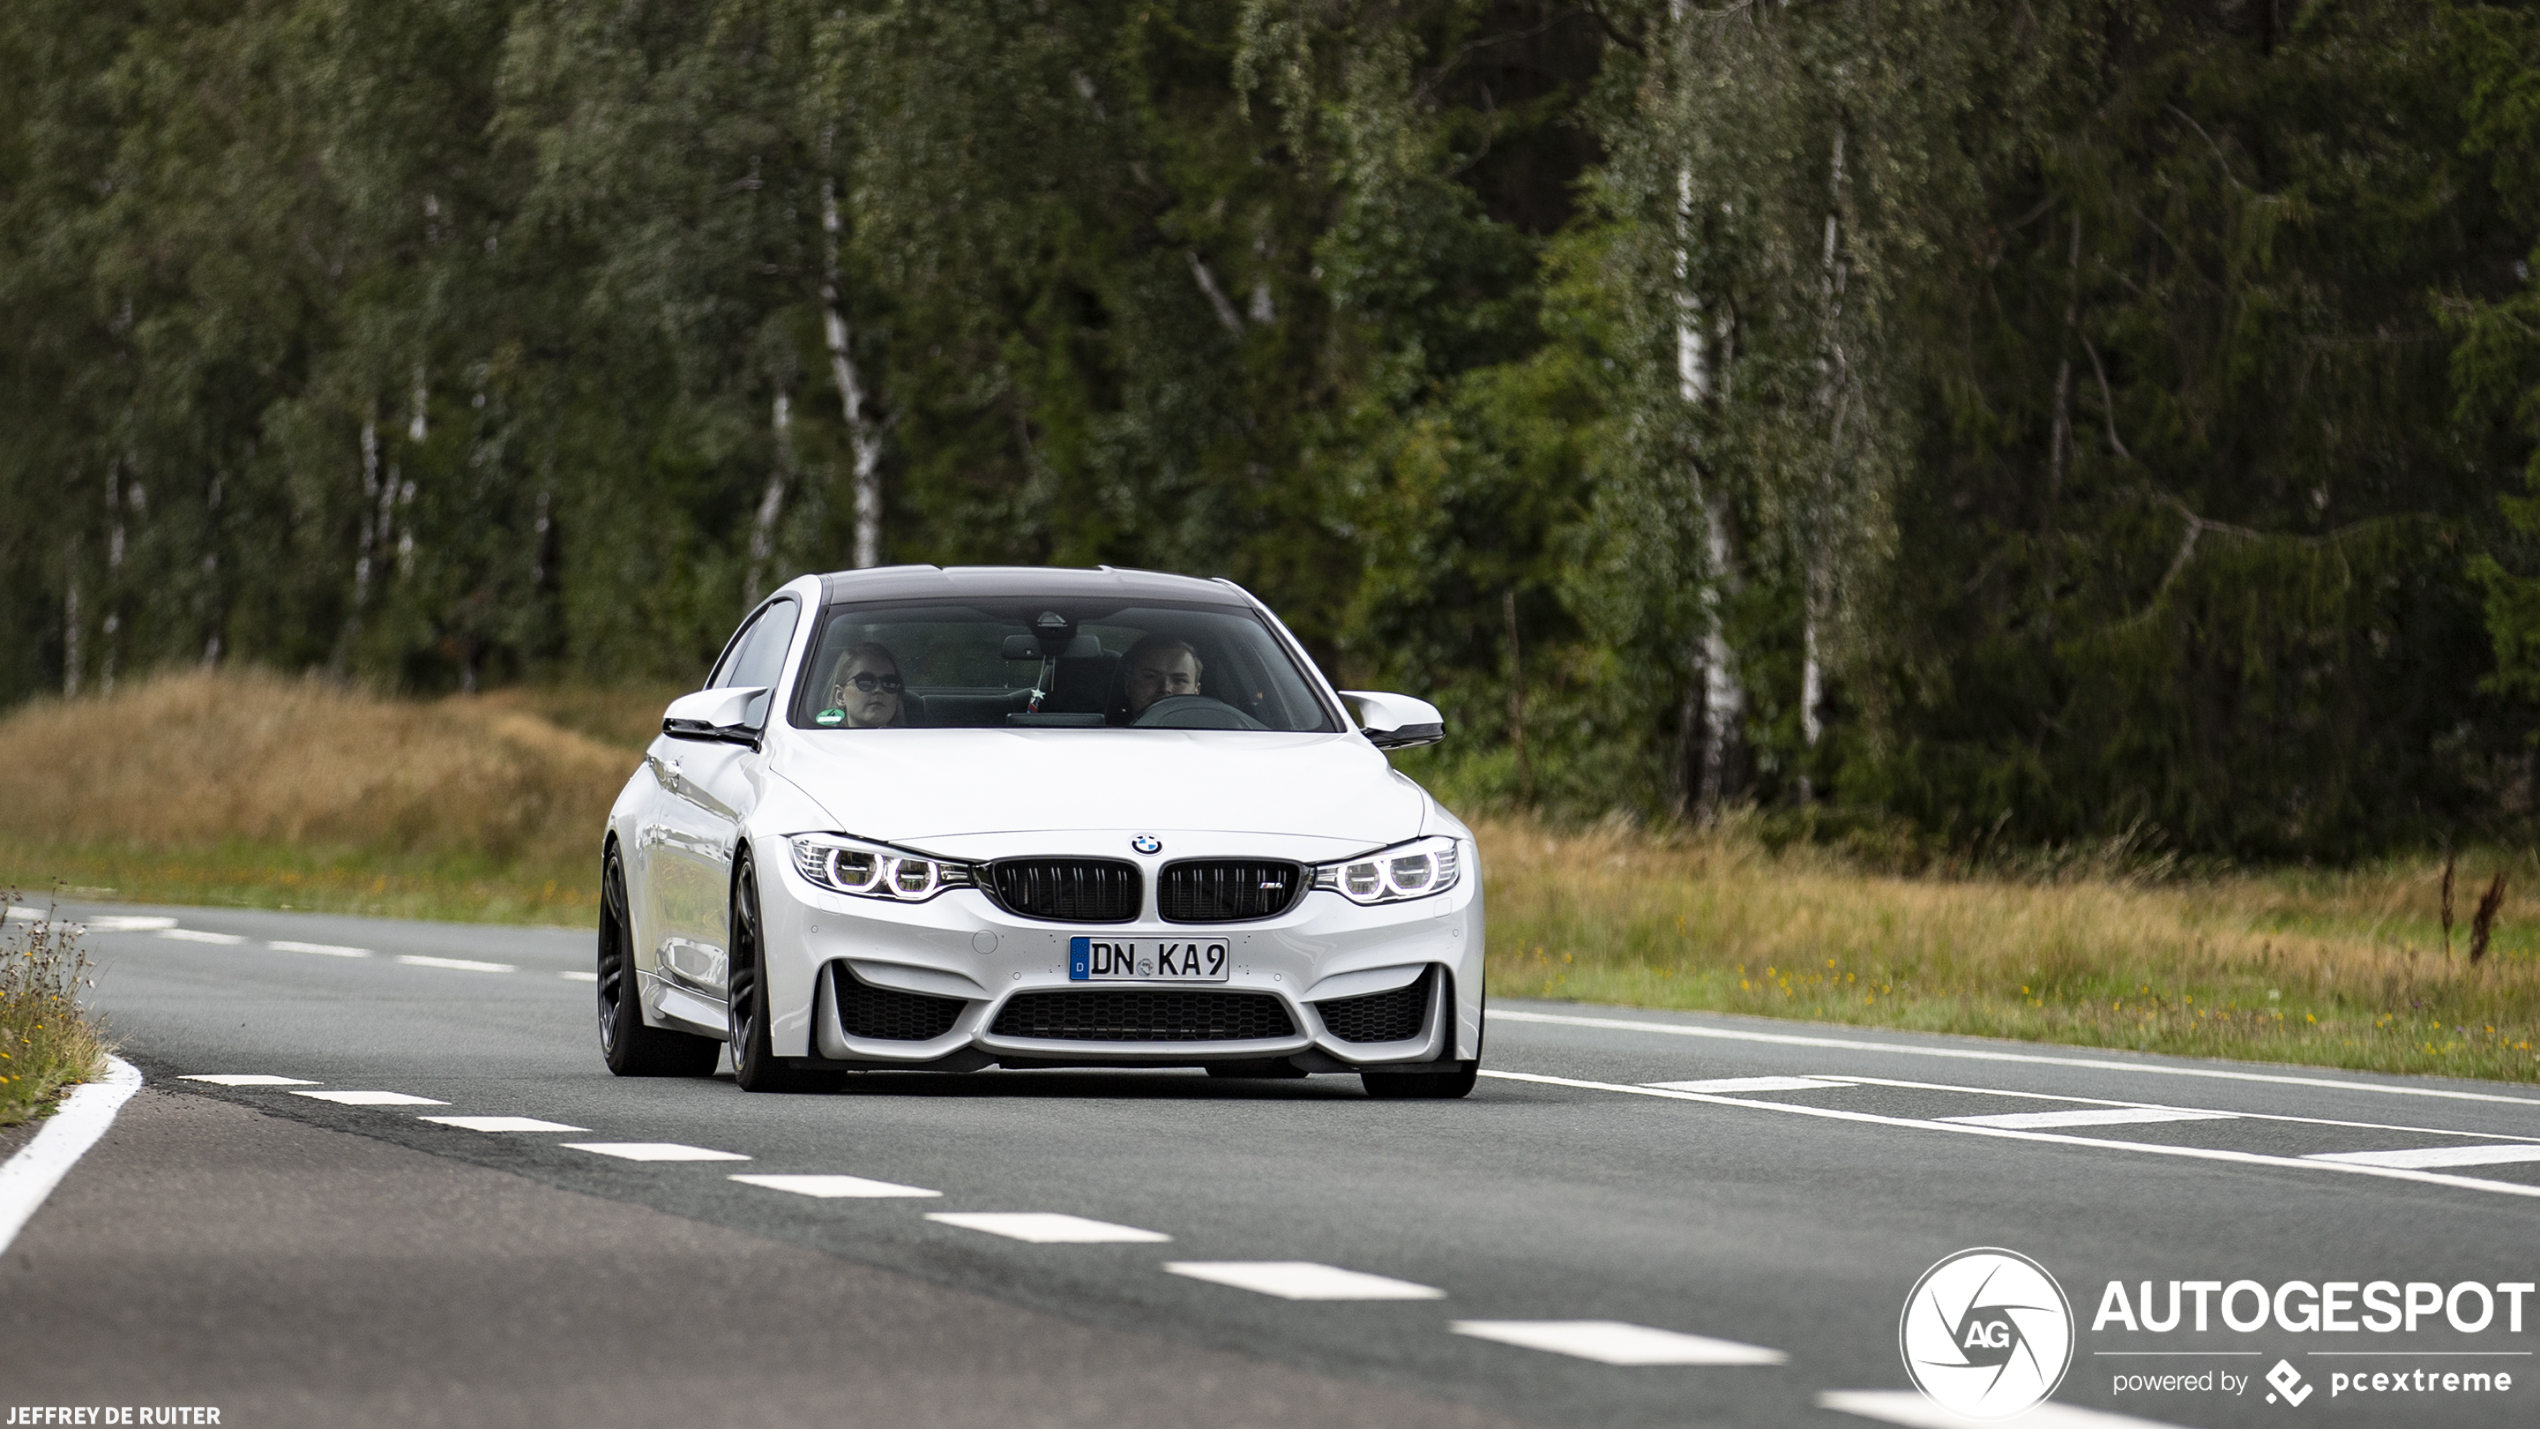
(2006, 423)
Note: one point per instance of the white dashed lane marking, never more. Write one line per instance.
(500, 1123)
(1047, 1227)
(2425, 1156)
(123, 923)
(327, 950)
(197, 935)
(1906, 1407)
(1751, 1084)
(1618, 1343)
(370, 1098)
(2093, 1116)
(652, 1151)
(465, 965)
(246, 1079)
(835, 1187)
(1302, 1280)
(579, 976)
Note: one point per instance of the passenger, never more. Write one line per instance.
(1158, 667)
(867, 688)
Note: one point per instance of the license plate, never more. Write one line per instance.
(1145, 959)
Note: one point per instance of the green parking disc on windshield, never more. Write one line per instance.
(830, 716)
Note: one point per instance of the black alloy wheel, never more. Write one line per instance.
(629, 1047)
(1421, 1086)
(755, 1067)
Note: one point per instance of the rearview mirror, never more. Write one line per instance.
(1396, 721)
(714, 714)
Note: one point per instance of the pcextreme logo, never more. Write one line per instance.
(1986, 1333)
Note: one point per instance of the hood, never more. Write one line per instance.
(913, 785)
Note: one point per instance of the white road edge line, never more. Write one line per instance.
(1914, 1410)
(2148, 1148)
(1973, 1054)
(2426, 1156)
(40, 1165)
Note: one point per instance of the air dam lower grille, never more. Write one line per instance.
(1067, 890)
(1395, 1016)
(1131, 1016)
(882, 1014)
(1227, 890)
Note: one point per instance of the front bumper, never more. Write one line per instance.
(962, 947)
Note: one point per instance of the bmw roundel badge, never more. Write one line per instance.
(1147, 843)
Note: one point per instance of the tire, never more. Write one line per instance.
(630, 1048)
(1421, 1086)
(756, 1068)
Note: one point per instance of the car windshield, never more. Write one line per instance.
(1063, 664)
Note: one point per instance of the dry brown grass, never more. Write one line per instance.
(192, 782)
(2340, 969)
(199, 758)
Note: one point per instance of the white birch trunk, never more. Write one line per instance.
(1723, 691)
(1227, 318)
(864, 435)
(70, 637)
(780, 474)
(370, 514)
(1833, 373)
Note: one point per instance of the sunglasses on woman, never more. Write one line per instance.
(868, 682)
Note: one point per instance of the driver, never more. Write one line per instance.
(1158, 667)
(868, 688)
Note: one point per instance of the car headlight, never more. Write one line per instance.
(1413, 870)
(844, 865)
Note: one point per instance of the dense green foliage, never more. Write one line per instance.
(2031, 421)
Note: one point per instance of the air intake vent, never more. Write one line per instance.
(1395, 1016)
(1227, 890)
(885, 1015)
(1126, 1016)
(1067, 890)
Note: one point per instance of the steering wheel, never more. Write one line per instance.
(1194, 712)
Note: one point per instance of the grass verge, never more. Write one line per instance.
(2341, 969)
(46, 1039)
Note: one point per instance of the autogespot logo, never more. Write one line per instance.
(1986, 1333)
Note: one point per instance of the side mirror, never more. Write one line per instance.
(720, 715)
(1396, 721)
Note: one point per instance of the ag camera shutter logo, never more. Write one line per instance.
(1986, 1333)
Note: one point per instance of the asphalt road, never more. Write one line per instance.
(297, 1260)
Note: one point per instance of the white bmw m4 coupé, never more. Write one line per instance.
(943, 820)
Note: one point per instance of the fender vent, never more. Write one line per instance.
(1127, 1016)
(888, 1015)
(1395, 1016)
